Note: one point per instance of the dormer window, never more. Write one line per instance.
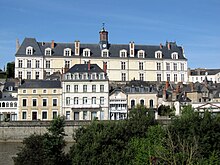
(174, 55)
(141, 54)
(67, 52)
(10, 88)
(86, 52)
(123, 53)
(105, 53)
(158, 54)
(48, 52)
(29, 50)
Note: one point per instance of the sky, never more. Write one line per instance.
(193, 24)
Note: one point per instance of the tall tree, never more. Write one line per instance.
(10, 70)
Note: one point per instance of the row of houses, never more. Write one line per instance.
(84, 92)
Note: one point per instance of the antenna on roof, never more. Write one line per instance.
(103, 26)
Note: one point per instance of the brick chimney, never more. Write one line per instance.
(131, 49)
(52, 44)
(89, 65)
(168, 46)
(105, 67)
(77, 48)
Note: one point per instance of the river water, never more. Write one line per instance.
(9, 149)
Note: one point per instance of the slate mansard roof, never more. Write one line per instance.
(95, 49)
(41, 84)
(83, 68)
(200, 71)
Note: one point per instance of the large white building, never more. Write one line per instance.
(85, 93)
(123, 62)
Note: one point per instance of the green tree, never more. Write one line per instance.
(10, 72)
(46, 149)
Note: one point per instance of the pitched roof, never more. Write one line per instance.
(41, 84)
(114, 49)
(83, 68)
(199, 71)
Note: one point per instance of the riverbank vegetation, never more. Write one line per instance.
(192, 138)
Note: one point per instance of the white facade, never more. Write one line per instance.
(8, 109)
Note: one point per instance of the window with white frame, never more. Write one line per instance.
(175, 77)
(123, 65)
(182, 66)
(20, 74)
(174, 55)
(167, 66)
(76, 100)
(67, 88)
(141, 66)
(34, 102)
(34, 91)
(47, 52)
(67, 52)
(44, 115)
(123, 76)
(24, 102)
(175, 66)
(93, 88)
(158, 54)
(28, 75)
(29, 50)
(37, 75)
(168, 77)
(20, 62)
(24, 114)
(47, 64)
(123, 53)
(86, 52)
(141, 54)
(76, 88)
(182, 77)
(44, 102)
(93, 100)
(141, 76)
(158, 66)
(44, 91)
(54, 114)
(158, 77)
(37, 64)
(85, 100)
(67, 100)
(84, 88)
(105, 53)
(67, 64)
(102, 99)
(102, 88)
(28, 63)
(55, 102)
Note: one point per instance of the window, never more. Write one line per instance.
(24, 115)
(85, 100)
(37, 64)
(54, 102)
(174, 55)
(67, 100)
(48, 52)
(28, 75)
(28, 63)
(105, 53)
(101, 88)
(24, 102)
(34, 91)
(24, 91)
(47, 73)
(34, 102)
(47, 64)
(93, 115)
(3, 104)
(86, 52)
(158, 77)
(182, 77)
(175, 77)
(54, 91)
(44, 91)
(29, 50)
(132, 103)
(68, 115)
(93, 88)
(54, 114)
(141, 76)
(84, 115)
(123, 77)
(68, 88)
(158, 54)
(11, 104)
(167, 66)
(93, 100)
(75, 88)
(141, 54)
(102, 100)
(158, 66)
(37, 75)
(20, 74)
(175, 66)
(76, 100)
(182, 67)
(123, 65)
(84, 88)
(123, 53)
(67, 64)
(20, 62)
(142, 102)
(44, 102)
(168, 77)
(67, 52)
(141, 66)
(44, 115)
(151, 103)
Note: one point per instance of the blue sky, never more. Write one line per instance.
(193, 24)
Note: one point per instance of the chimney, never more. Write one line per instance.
(131, 48)
(52, 44)
(77, 48)
(161, 46)
(168, 45)
(89, 65)
(17, 44)
(105, 67)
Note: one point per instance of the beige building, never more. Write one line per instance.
(123, 62)
(39, 100)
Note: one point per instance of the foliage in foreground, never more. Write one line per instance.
(46, 149)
